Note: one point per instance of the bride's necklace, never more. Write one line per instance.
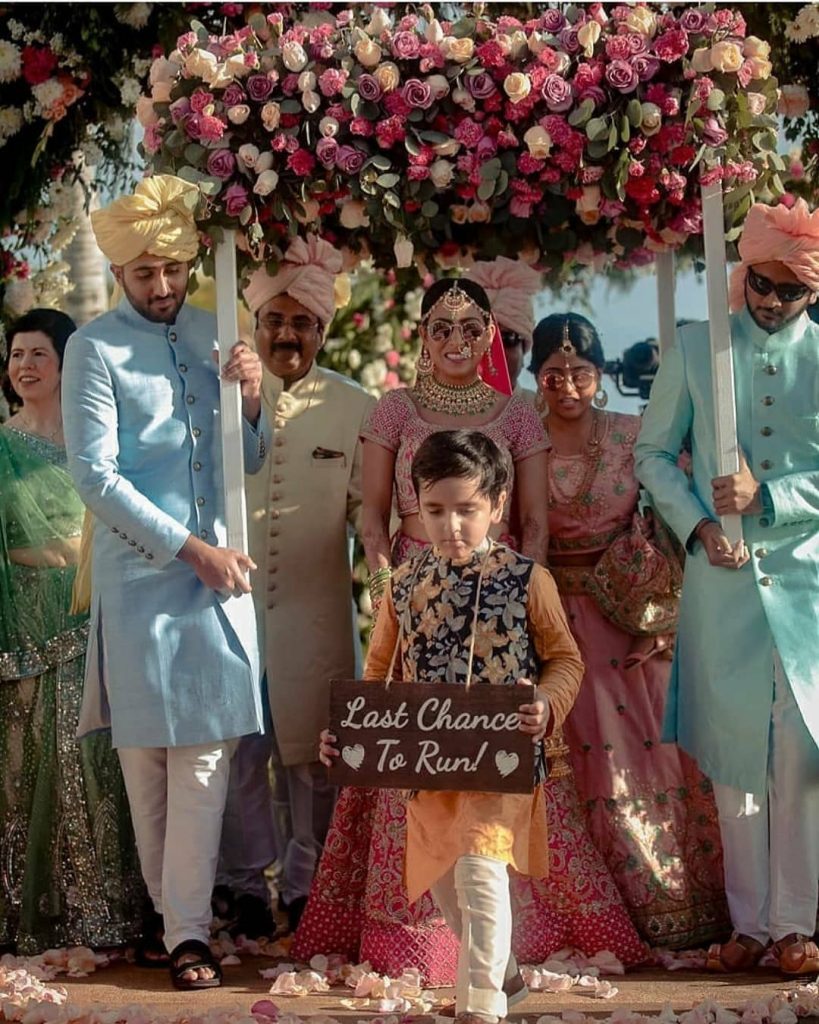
(471, 399)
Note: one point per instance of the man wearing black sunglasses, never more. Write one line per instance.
(744, 695)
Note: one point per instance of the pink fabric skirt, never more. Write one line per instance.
(648, 808)
(358, 904)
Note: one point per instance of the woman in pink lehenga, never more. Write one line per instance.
(358, 904)
(651, 813)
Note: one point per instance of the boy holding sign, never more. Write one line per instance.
(469, 610)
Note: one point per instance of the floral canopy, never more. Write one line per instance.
(578, 137)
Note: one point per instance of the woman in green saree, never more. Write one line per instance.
(69, 873)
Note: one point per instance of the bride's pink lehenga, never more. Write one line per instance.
(358, 905)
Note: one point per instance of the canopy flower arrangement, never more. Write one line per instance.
(576, 137)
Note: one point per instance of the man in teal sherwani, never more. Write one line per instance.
(744, 694)
(173, 666)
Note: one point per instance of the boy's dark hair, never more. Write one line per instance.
(466, 454)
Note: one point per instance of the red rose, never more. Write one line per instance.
(38, 63)
(301, 162)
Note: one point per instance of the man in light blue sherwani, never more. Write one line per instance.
(744, 695)
(172, 664)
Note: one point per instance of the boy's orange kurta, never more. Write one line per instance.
(521, 633)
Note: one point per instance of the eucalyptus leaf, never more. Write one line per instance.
(429, 209)
(612, 136)
(716, 99)
(290, 106)
(392, 199)
(486, 189)
(580, 115)
(634, 112)
(596, 129)
(388, 180)
(194, 152)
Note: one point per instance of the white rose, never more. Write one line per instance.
(18, 297)
(651, 118)
(463, 98)
(238, 114)
(163, 70)
(248, 155)
(200, 63)
(311, 212)
(236, 66)
(587, 36)
(293, 56)
(311, 101)
(403, 249)
(517, 86)
(379, 23)
(368, 52)
(439, 85)
(264, 162)
(328, 126)
(10, 61)
(307, 81)
(434, 33)
(459, 50)
(265, 183)
(441, 173)
(539, 142)
(353, 214)
(517, 44)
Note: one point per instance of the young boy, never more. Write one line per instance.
(460, 845)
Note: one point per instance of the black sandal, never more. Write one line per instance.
(150, 951)
(204, 959)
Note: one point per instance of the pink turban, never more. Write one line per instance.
(307, 274)
(511, 285)
(782, 235)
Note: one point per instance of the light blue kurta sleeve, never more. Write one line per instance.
(666, 422)
(90, 423)
(255, 442)
(795, 498)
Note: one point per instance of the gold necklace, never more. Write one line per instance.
(579, 500)
(471, 399)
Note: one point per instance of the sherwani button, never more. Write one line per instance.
(766, 464)
(761, 552)
(149, 556)
(274, 532)
(273, 551)
(279, 422)
(196, 431)
(278, 441)
(200, 501)
(172, 336)
(274, 514)
(141, 550)
(279, 459)
(114, 529)
(271, 604)
(766, 581)
(768, 400)
(766, 431)
(197, 466)
(277, 479)
(183, 368)
(770, 369)
(190, 399)
(124, 536)
(273, 569)
(203, 534)
(271, 587)
(132, 543)
(275, 496)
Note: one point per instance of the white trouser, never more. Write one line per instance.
(303, 803)
(248, 845)
(475, 902)
(177, 797)
(771, 845)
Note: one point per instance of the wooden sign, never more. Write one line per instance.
(431, 736)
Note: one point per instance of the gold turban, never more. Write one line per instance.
(309, 274)
(511, 285)
(776, 234)
(157, 219)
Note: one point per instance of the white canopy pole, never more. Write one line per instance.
(666, 312)
(233, 464)
(722, 366)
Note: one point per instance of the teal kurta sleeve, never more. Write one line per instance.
(795, 498)
(666, 422)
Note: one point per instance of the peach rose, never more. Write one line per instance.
(794, 101)
(388, 76)
(403, 250)
(459, 50)
(265, 183)
(479, 212)
(271, 116)
(441, 173)
(145, 112)
(755, 47)
(517, 86)
(726, 56)
(328, 127)
(701, 60)
(587, 36)
(353, 214)
(238, 114)
(368, 53)
(760, 68)
(458, 213)
(293, 56)
(587, 206)
(642, 21)
(161, 92)
(539, 142)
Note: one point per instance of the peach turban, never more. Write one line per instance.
(157, 219)
(307, 274)
(511, 285)
(782, 235)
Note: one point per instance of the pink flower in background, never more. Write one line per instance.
(233, 95)
(259, 87)
(349, 160)
(221, 164)
(557, 93)
(417, 94)
(332, 81)
(361, 126)
(236, 199)
(301, 162)
(671, 45)
(368, 88)
(406, 45)
(622, 76)
(326, 151)
(211, 128)
(199, 100)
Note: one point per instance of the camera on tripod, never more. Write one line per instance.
(634, 373)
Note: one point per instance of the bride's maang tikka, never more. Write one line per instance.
(455, 300)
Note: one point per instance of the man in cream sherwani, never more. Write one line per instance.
(744, 694)
(172, 665)
(302, 509)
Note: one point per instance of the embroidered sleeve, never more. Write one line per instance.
(385, 423)
(523, 430)
(562, 668)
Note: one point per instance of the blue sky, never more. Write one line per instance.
(625, 317)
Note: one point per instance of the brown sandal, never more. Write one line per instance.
(740, 953)
(797, 954)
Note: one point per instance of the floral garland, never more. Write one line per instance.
(574, 135)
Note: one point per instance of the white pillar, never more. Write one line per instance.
(666, 312)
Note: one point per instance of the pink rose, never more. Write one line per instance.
(617, 48)
(469, 133)
(552, 20)
(349, 160)
(672, 45)
(233, 95)
(713, 134)
(693, 20)
(557, 93)
(622, 76)
(221, 164)
(646, 67)
(593, 93)
(417, 94)
(180, 109)
(568, 39)
(481, 85)
(362, 127)
(211, 128)
(259, 87)
(326, 150)
(332, 81)
(368, 88)
(152, 139)
(235, 200)
(406, 45)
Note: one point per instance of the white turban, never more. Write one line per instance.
(307, 274)
(511, 285)
(157, 219)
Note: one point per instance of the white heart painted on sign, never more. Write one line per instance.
(506, 762)
(354, 756)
